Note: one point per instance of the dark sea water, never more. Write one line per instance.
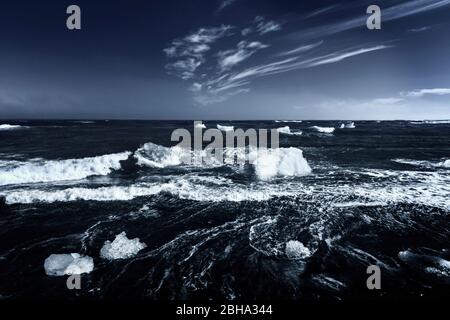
(378, 194)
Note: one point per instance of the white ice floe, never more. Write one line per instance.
(287, 130)
(296, 250)
(323, 129)
(225, 128)
(68, 264)
(348, 125)
(121, 248)
(200, 126)
(61, 170)
(445, 164)
(281, 162)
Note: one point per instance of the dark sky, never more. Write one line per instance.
(225, 59)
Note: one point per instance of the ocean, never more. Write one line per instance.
(377, 193)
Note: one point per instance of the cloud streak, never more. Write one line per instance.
(422, 92)
(398, 11)
(225, 3)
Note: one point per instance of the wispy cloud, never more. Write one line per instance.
(392, 100)
(422, 92)
(189, 52)
(300, 49)
(394, 12)
(244, 50)
(263, 26)
(225, 3)
(242, 79)
(421, 29)
(336, 57)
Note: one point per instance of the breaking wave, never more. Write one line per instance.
(424, 163)
(268, 163)
(5, 127)
(60, 170)
(287, 130)
(431, 122)
(206, 189)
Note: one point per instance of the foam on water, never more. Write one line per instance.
(121, 247)
(431, 122)
(153, 155)
(113, 193)
(68, 264)
(429, 265)
(193, 188)
(385, 188)
(420, 163)
(61, 170)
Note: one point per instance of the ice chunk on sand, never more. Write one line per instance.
(121, 247)
(296, 250)
(68, 264)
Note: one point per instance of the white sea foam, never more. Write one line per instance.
(121, 248)
(113, 193)
(68, 264)
(296, 250)
(287, 130)
(424, 163)
(225, 128)
(323, 129)
(288, 121)
(281, 162)
(154, 155)
(6, 127)
(61, 170)
(209, 189)
(431, 122)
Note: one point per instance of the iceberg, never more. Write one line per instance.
(121, 248)
(68, 264)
